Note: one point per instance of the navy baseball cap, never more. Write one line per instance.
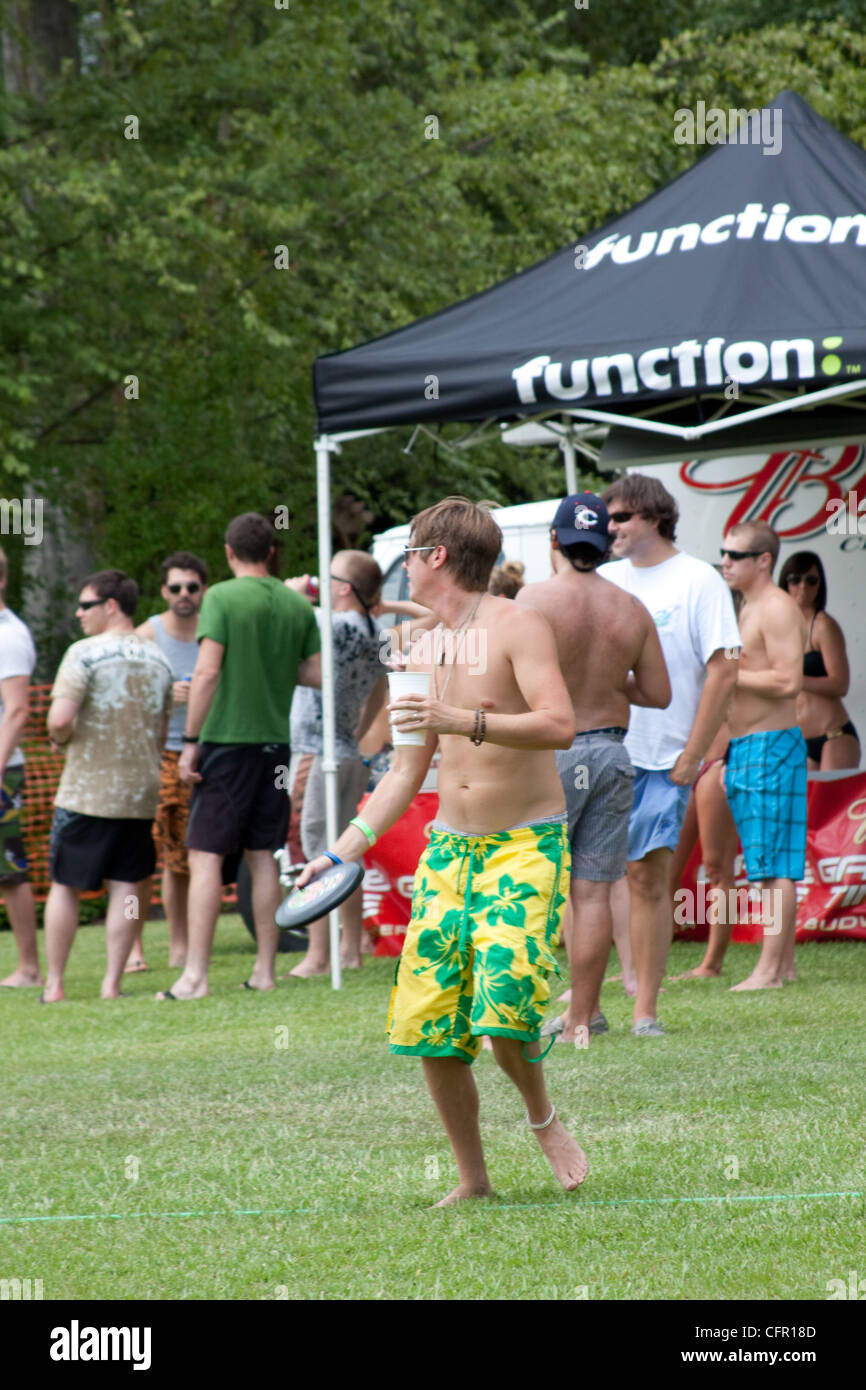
(582, 517)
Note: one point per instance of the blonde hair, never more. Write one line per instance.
(469, 534)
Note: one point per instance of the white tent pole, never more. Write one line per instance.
(324, 448)
(566, 444)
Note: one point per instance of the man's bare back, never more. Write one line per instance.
(602, 633)
(488, 788)
(773, 631)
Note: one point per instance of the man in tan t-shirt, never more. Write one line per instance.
(110, 705)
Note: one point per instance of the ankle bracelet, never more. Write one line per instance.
(544, 1123)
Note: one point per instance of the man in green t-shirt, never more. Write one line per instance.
(257, 641)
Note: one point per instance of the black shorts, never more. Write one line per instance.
(86, 850)
(241, 801)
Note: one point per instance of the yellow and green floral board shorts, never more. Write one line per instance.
(486, 911)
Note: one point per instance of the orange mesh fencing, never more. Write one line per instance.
(42, 776)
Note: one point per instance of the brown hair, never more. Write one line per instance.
(800, 563)
(761, 537)
(468, 532)
(251, 537)
(363, 573)
(184, 560)
(639, 493)
(114, 584)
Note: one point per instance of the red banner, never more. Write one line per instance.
(831, 899)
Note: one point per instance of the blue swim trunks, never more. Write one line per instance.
(657, 813)
(765, 780)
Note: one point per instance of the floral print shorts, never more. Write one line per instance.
(486, 912)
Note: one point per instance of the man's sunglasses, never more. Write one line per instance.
(86, 603)
(811, 579)
(407, 549)
(178, 588)
(620, 517)
(741, 554)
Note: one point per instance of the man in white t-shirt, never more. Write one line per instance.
(17, 660)
(694, 615)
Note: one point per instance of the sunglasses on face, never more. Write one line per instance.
(811, 579)
(408, 549)
(620, 518)
(85, 603)
(740, 554)
(178, 588)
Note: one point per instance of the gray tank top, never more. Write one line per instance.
(181, 657)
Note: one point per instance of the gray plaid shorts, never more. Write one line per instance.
(598, 780)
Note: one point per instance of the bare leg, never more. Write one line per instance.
(120, 928)
(562, 1152)
(719, 847)
(780, 897)
(591, 938)
(266, 899)
(840, 752)
(136, 963)
(620, 910)
(650, 925)
(452, 1087)
(205, 900)
(61, 924)
(175, 900)
(352, 920)
(22, 915)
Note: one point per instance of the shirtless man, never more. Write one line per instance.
(765, 778)
(611, 656)
(491, 885)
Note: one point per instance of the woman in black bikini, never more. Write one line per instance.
(831, 739)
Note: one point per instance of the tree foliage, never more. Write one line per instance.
(157, 342)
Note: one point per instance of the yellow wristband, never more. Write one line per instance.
(364, 829)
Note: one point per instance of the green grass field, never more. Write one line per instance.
(259, 1147)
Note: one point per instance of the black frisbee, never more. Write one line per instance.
(323, 893)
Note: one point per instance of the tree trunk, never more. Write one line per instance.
(37, 36)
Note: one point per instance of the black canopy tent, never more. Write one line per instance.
(735, 293)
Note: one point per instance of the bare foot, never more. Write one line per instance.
(463, 1193)
(113, 994)
(305, 970)
(756, 981)
(789, 976)
(352, 963)
(576, 1033)
(54, 995)
(135, 967)
(21, 979)
(184, 990)
(263, 988)
(176, 963)
(630, 985)
(564, 1154)
(700, 972)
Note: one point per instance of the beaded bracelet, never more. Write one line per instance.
(479, 733)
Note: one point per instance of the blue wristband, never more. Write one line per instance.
(333, 857)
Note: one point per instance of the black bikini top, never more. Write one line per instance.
(813, 661)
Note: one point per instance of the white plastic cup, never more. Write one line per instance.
(408, 683)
